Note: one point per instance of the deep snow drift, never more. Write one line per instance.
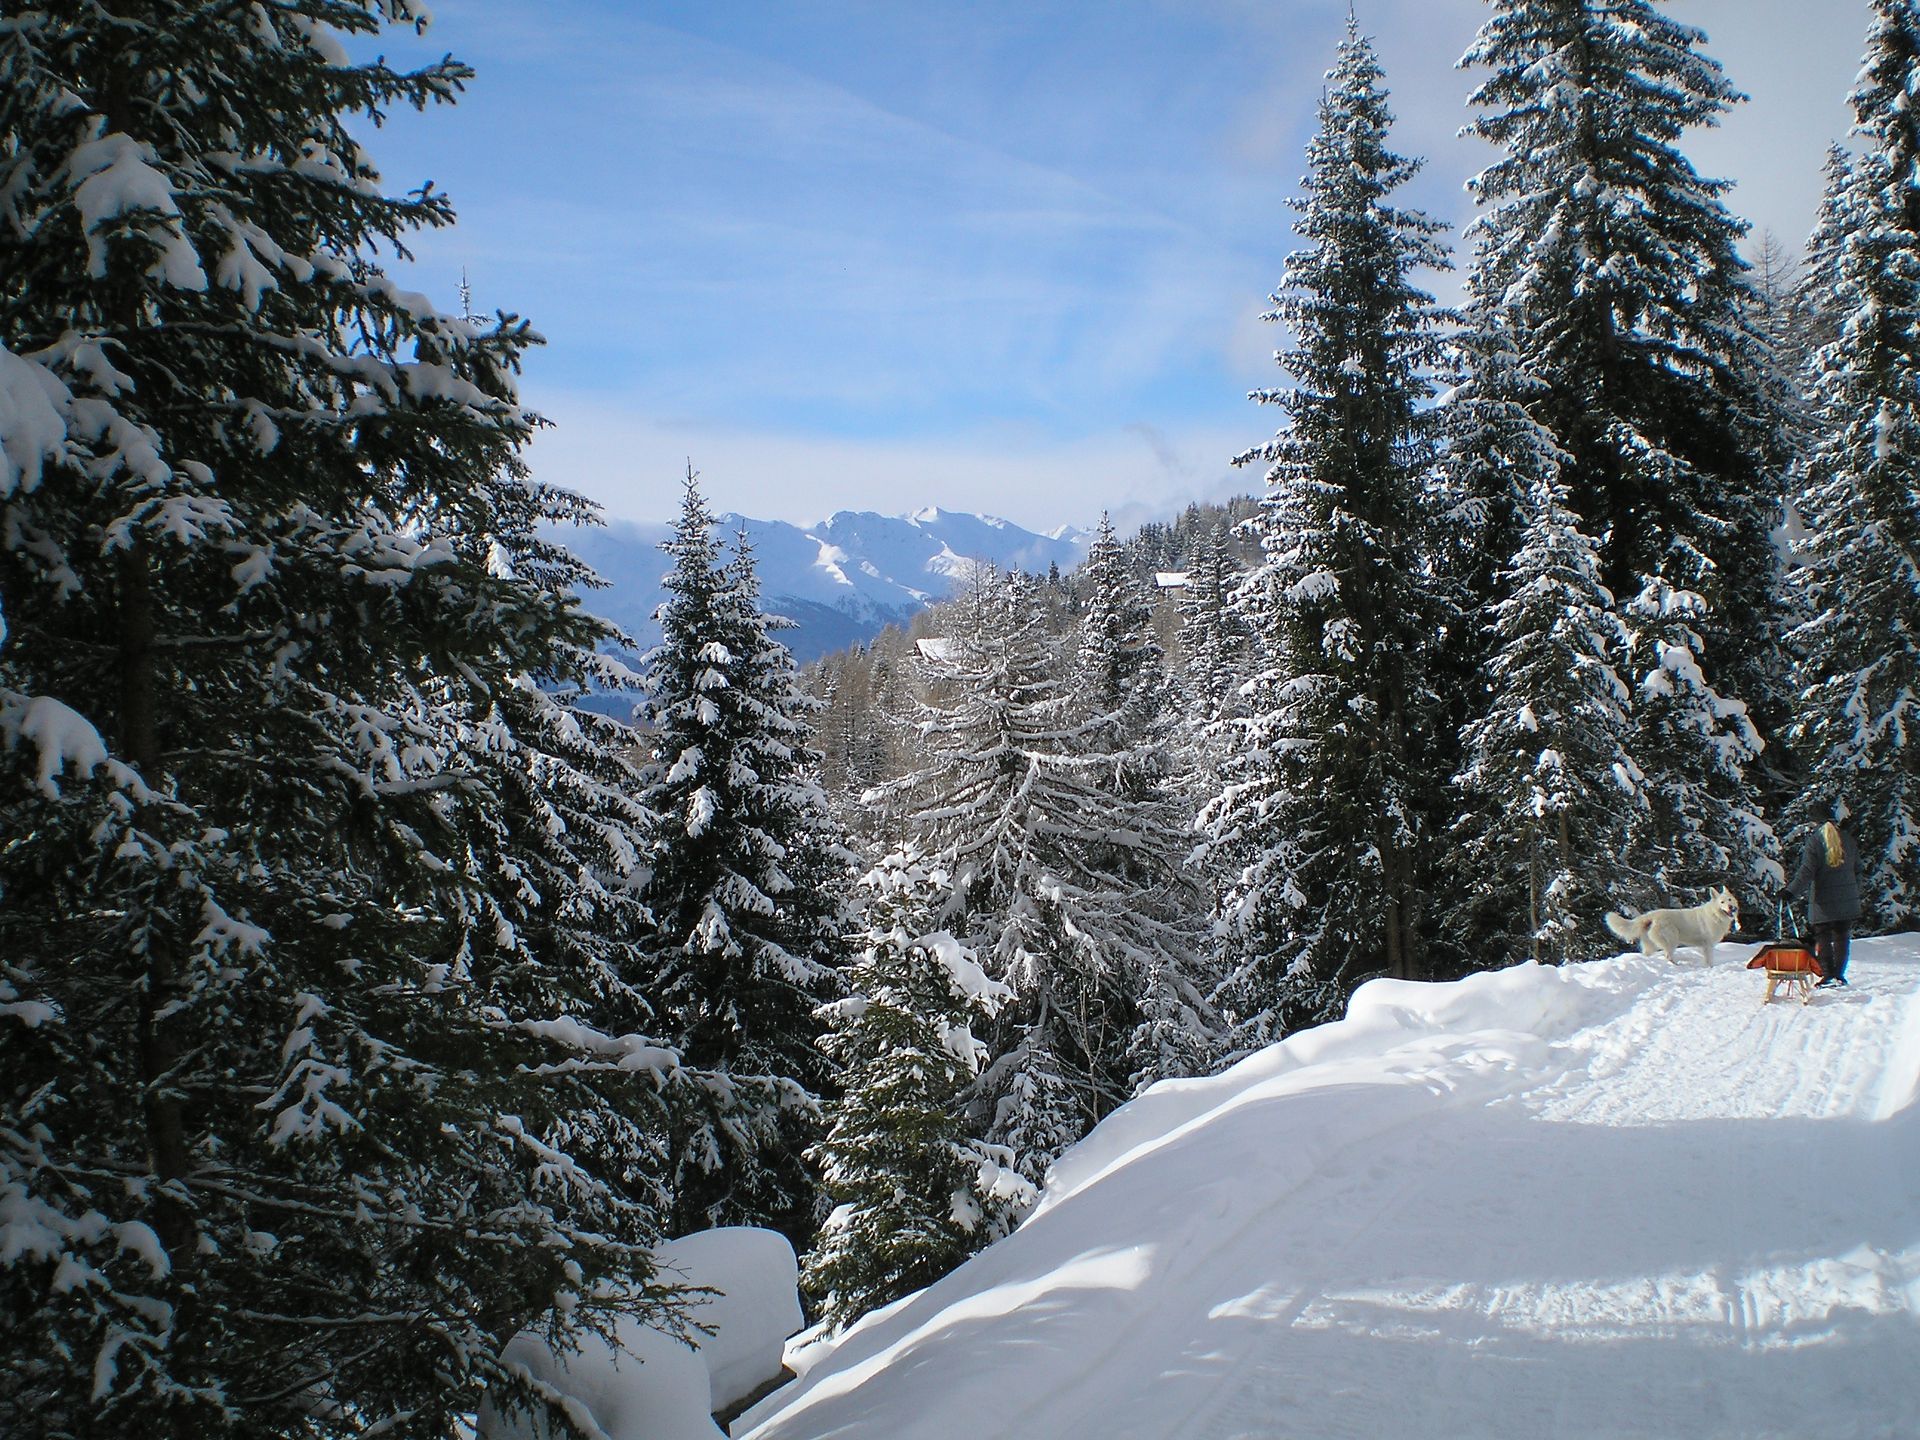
(1614, 1199)
(647, 1385)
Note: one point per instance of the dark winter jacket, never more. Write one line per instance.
(1833, 890)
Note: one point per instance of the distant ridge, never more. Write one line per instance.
(841, 581)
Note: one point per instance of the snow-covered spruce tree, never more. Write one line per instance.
(1122, 692)
(273, 1150)
(1612, 268)
(1120, 669)
(988, 805)
(1549, 791)
(1695, 749)
(568, 849)
(1214, 645)
(1800, 327)
(1815, 319)
(1496, 457)
(913, 1195)
(1215, 655)
(1861, 501)
(1017, 800)
(746, 890)
(1791, 330)
(840, 682)
(1324, 824)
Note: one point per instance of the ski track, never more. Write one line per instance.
(1671, 1223)
(1426, 1354)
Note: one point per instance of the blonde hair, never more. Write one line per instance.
(1836, 852)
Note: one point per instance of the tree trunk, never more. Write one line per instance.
(167, 1149)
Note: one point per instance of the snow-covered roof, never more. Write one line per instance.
(935, 649)
(1170, 579)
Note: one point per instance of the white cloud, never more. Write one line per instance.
(746, 255)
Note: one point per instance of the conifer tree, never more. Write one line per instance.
(1017, 800)
(1789, 330)
(1497, 455)
(1550, 791)
(1214, 658)
(1699, 749)
(992, 805)
(1775, 283)
(1862, 494)
(1812, 323)
(1121, 669)
(1611, 270)
(1215, 653)
(745, 887)
(870, 753)
(1324, 823)
(1213, 643)
(571, 845)
(913, 1195)
(296, 1001)
(1815, 317)
(1122, 688)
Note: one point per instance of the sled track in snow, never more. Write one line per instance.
(1613, 1202)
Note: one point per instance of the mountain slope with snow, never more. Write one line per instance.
(841, 581)
(1610, 1199)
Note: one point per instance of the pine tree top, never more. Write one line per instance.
(1587, 102)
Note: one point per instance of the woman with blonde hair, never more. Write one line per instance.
(1830, 880)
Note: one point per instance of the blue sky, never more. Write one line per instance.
(999, 256)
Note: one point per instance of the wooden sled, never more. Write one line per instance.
(1788, 963)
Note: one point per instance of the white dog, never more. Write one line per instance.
(1702, 926)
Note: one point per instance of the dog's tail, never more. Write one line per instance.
(1631, 931)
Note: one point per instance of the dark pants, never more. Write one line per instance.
(1830, 947)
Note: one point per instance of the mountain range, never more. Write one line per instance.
(841, 581)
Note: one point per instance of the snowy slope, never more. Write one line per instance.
(1613, 1199)
(842, 580)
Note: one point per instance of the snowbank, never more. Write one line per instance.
(1611, 1199)
(647, 1386)
(757, 1308)
(1391, 1025)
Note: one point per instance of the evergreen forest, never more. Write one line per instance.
(364, 1002)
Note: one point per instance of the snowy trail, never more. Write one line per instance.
(1613, 1200)
(1770, 1062)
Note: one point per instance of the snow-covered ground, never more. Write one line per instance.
(645, 1385)
(1614, 1199)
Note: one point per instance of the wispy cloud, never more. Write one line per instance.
(757, 221)
(847, 254)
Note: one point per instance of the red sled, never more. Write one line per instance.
(1790, 963)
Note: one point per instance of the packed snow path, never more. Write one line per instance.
(1615, 1199)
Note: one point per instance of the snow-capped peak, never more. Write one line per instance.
(842, 579)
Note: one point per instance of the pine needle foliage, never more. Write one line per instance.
(913, 1194)
(299, 970)
(1323, 825)
(1861, 498)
